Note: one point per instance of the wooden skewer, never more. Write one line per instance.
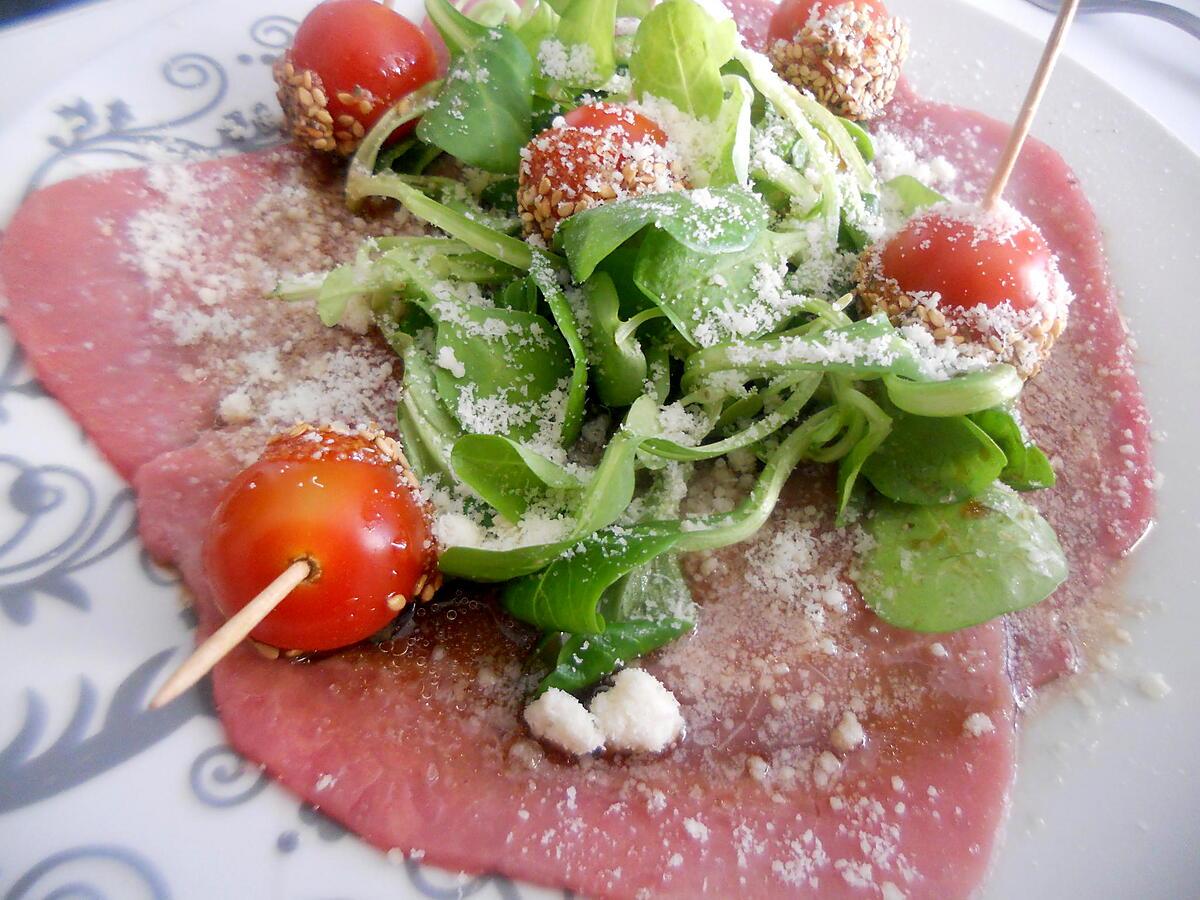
(232, 633)
(1033, 98)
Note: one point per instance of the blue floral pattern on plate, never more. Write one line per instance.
(61, 525)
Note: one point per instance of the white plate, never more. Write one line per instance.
(97, 793)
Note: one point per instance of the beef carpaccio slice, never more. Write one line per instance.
(1085, 407)
(827, 754)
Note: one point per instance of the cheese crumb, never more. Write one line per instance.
(825, 769)
(889, 891)
(1153, 685)
(758, 768)
(697, 830)
(235, 408)
(977, 724)
(560, 719)
(637, 713)
(849, 734)
(447, 360)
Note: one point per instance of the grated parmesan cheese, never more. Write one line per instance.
(978, 724)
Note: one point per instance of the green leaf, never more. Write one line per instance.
(718, 220)
(763, 427)
(942, 568)
(484, 113)
(519, 294)
(714, 297)
(564, 595)
(611, 488)
(654, 590)
(543, 276)
(590, 24)
(729, 163)
(494, 243)
(1026, 467)
(618, 365)
(459, 32)
(678, 52)
(361, 172)
(957, 396)
(861, 139)
(808, 117)
(539, 22)
(911, 194)
(506, 474)
(427, 429)
(649, 607)
(868, 348)
(878, 427)
(587, 658)
(710, 532)
(931, 461)
(491, 566)
(512, 365)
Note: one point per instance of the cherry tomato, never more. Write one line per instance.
(633, 126)
(791, 16)
(969, 264)
(595, 155)
(361, 58)
(344, 505)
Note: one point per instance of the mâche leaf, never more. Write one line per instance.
(564, 596)
(507, 474)
(911, 194)
(484, 112)
(928, 461)
(1026, 466)
(718, 220)
(957, 396)
(942, 568)
(587, 26)
(500, 370)
(678, 52)
(618, 363)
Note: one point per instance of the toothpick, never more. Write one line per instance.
(232, 633)
(1033, 98)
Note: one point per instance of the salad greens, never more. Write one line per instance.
(678, 53)
(492, 80)
(988, 554)
(557, 400)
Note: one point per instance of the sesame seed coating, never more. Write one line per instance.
(1023, 341)
(567, 169)
(306, 115)
(849, 59)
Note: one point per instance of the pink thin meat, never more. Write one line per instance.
(1085, 408)
(417, 743)
(83, 309)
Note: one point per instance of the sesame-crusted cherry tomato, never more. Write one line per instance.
(360, 58)
(791, 16)
(343, 504)
(847, 53)
(633, 126)
(598, 153)
(970, 263)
